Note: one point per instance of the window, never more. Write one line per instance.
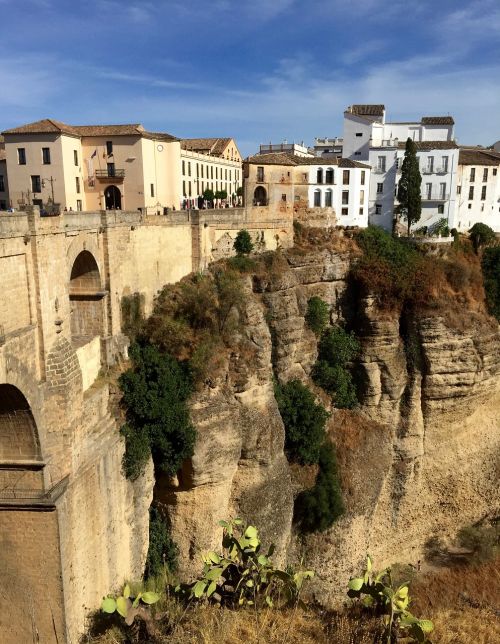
(441, 209)
(494, 172)
(189, 168)
(442, 190)
(378, 209)
(359, 133)
(109, 147)
(471, 192)
(36, 184)
(328, 198)
(363, 173)
(485, 174)
(357, 154)
(381, 164)
(472, 174)
(380, 187)
(46, 156)
(3, 204)
(77, 182)
(361, 210)
(211, 172)
(317, 199)
(428, 190)
(21, 156)
(202, 170)
(470, 206)
(183, 167)
(345, 197)
(345, 211)
(445, 164)
(2, 183)
(430, 164)
(283, 197)
(345, 177)
(183, 188)
(189, 186)
(111, 169)
(459, 190)
(260, 173)
(329, 175)
(75, 156)
(79, 205)
(397, 163)
(361, 197)
(152, 186)
(483, 193)
(319, 176)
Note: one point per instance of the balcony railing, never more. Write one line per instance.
(118, 174)
(377, 170)
(442, 170)
(442, 196)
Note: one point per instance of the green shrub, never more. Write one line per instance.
(482, 541)
(242, 575)
(318, 315)
(155, 391)
(243, 243)
(481, 235)
(335, 350)
(318, 508)
(304, 422)
(490, 265)
(162, 550)
(242, 264)
(132, 314)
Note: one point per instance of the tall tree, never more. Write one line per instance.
(409, 197)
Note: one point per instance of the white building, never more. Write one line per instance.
(299, 149)
(327, 147)
(369, 138)
(478, 188)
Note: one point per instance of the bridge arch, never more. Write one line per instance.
(19, 440)
(86, 298)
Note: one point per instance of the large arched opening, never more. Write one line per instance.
(260, 196)
(113, 198)
(18, 434)
(86, 298)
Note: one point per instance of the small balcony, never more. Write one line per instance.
(427, 170)
(377, 170)
(442, 196)
(116, 175)
(441, 170)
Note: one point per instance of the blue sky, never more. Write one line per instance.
(257, 70)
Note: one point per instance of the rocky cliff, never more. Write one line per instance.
(419, 457)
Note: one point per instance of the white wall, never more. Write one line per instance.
(471, 211)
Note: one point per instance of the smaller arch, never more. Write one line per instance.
(18, 433)
(329, 176)
(86, 299)
(260, 196)
(328, 198)
(113, 198)
(317, 198)
(319, 175)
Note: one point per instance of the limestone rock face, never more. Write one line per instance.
(420, 456)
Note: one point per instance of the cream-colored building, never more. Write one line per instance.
(92, 167)
(213, 164)
(324, 190)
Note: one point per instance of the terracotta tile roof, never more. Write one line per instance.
(437, 120)
(367, 110)
(45, 126)
(285, 158)
(431, 145)
(272, 158)
(478, 156)
(213, 146)
(50, 125)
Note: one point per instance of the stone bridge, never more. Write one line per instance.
(71, 527)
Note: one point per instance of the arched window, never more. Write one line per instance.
(329, 175)
(319, 175)
(260, 196)
(328, 198)
(18, 433)
(86, 299)
(317, 198)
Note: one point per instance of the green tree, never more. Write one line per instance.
(481, 235)
(304, 422)
(318, 314)
(490, 265)
(409, 197)
(162, 550)
(155, 391)
(317, 509)
(239, 191)
(243, 243)
(208, 195)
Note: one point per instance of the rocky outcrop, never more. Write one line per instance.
(419, 457)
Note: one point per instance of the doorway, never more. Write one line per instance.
(113, 198)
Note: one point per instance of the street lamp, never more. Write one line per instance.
(51, 181)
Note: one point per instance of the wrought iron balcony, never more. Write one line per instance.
(111, 176)
(432, 197)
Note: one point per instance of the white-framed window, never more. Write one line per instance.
(345, 211)
(378, 209)
(483, 193)
(328, 198)
(345, 197)
(471, 193)
(430, 164)
(380, 187)
(444, 161)
(485, 174)
(428, 190)
(381, 163)
(46, 156)
(317, 198)
(442, 190)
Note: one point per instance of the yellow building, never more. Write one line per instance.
(92, 167)
(213, 164)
